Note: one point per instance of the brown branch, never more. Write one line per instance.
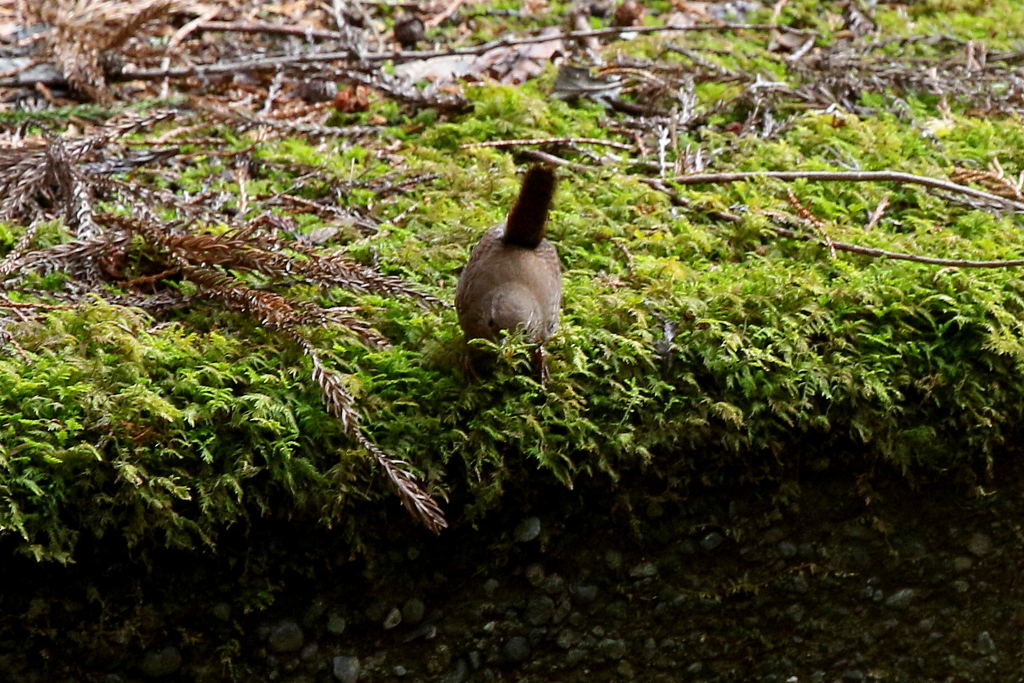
(276, 29)
(839, 246)
(548, 141)
(898, 256)
(278, 62)
(546, 158)
(851, 176)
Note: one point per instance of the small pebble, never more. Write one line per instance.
(377, 611)
(393, 619)
(979, 544)
(161, 662)
(539, 611)
(222, 611)
(528, 530)
(613, 558)
(787, 549)
(901, 599)
(585, 593)
(336, 624)
(711, 540)
(517, 649)
(986, 645)
(458, 674)
(535, 575)
(645, 570)
(962, 564)
(612, 648)
(313, 614)
(413, 611)
(490, 586)
(345, 669)
(285, 637)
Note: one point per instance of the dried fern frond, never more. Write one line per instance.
(12, 261)
(339, 403)
(79, 258)
(82, 30)
(249, 250)
(55, 170)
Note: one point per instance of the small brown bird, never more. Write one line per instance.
(513, 280)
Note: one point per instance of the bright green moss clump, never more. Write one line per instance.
(694, 348)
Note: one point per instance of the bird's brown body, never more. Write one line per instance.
(513, 280)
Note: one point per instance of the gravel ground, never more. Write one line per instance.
(842, 582)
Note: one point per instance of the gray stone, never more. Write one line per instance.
(986, 645)
(585, 593)
(425, 631)
(613, 558)
(490, 586)
(567, 638)
(458, 674)
(711, 540)
(285, 637)
(795, 612)
(336, 624)
(528, 530)
(539, 611)
(222, 611)
(901, 599)
(962, 564)
(393, 619)
(161, 662)
(979, 544)
(313, 614)
(535, 574)
(553, 584)
(399, 670)
(413, 611)
(853, 675)
(612, 648)
(345, 669)
(517, 649)
(644, 570)
(799, 584)
(377, 611)
(787, 549)
(773, 535)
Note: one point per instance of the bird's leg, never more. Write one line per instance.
(468, 366)
(540, 365)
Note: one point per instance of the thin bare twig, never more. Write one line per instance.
(840, 246)
(899, 256)
(546, 158)
(851, 176)
(549, 141)
(264, 27)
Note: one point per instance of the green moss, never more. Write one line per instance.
(169, 432)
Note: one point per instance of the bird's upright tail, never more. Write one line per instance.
(527, 222)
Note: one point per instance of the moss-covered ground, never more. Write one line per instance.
(697, 348)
